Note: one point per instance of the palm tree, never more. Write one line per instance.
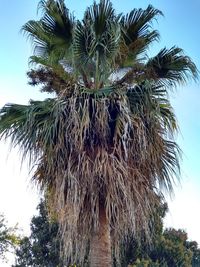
(103, 147)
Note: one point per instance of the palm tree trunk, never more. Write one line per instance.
(100, 252)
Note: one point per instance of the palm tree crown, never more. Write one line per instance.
(106, 139)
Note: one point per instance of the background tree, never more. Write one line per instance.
(172, 250)
(136, 250)
(42, 247)
(193, 246)
(8, 238)
(169, 247)
(104, 146)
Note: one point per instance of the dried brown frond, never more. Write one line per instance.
(102, 154)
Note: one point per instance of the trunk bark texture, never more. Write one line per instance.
(100, 252)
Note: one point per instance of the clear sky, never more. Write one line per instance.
(179, 26)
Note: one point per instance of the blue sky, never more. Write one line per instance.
(180, 27)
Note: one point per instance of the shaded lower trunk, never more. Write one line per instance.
(100, 247)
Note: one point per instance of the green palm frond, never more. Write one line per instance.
(96, 41)
(100, 14)
(138, 23)
(27, 125)
(171, 66)
(52, 35)
(38, 60)
(41, 41)
(137, 33)
(151, 102)
(168, 168)
(168, 68)
(84, 46)
(57, 21)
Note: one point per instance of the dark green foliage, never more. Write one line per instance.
(41, 248)
(134, 250)
(193, 246)
(171, 66)
(8, 238)
(169, 248)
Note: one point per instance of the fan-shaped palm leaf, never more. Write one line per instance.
(96, 41)
(24, 124)
(168, 68)
(171, 66)
(137, 32)
(52, 35)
